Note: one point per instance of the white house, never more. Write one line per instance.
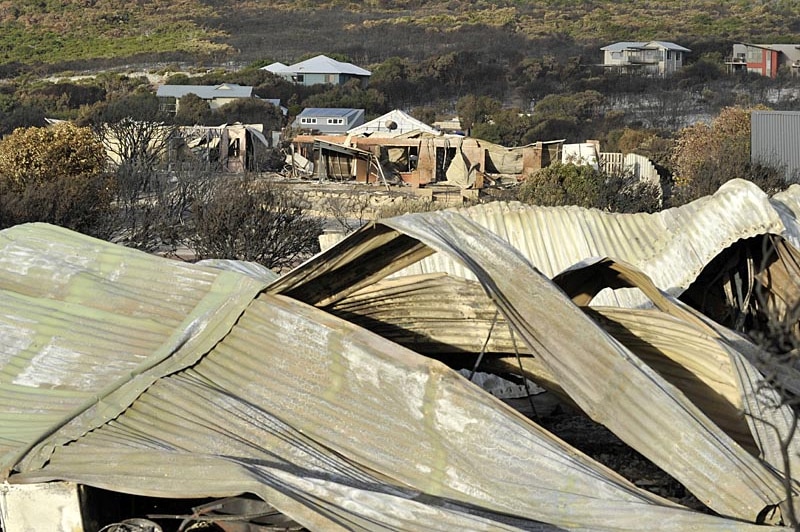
(659, 58)
(318, 70)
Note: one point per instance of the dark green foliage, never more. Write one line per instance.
(193, 110)
(707, 68)
(252, 111)
(573, 117)
(138, 106)
(566, 128)
(508, 127)
(62, 100)
(350, 95)
(392, 78)
(472, 110)
(424, 114)
(21, 114)
(180, 79)
(581, 106)
(564, 184)
(252, 77)
(584, 186)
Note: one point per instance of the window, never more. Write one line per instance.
(331, 78)
(308, 120)
(168, 104)
(335, 121)
(298, 78)
(616, 55)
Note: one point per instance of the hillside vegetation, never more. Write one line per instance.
(72, 33)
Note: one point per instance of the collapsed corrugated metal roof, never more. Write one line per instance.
(607, 380)
(213, 390)
(672, 246)
(333, 425)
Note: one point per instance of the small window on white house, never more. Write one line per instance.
(335, 121)
(616, 55)
(308, 120)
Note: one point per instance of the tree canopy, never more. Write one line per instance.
(706, 155)
(55, 175)
(37, 155)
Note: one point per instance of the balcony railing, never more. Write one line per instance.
(634, 60)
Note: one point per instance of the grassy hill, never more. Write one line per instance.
(74, 32)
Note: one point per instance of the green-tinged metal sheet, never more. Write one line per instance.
(88, 325)
(236, 389)
(343, 430)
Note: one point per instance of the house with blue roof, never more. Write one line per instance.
(328, 120)
(659, 58)
(319, 70)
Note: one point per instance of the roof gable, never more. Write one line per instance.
(638, 45)
(666, 46)
(322, 64)
(275, 67)
(330, 112)
(403, 123)
(623, 45)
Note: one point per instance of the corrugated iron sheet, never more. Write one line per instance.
(773, 139)
(365, 418)
(671, 247)
(228, 392)
(333, 425)
(343, 430)
(612, 385)
(87, 324)
(412, 313)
